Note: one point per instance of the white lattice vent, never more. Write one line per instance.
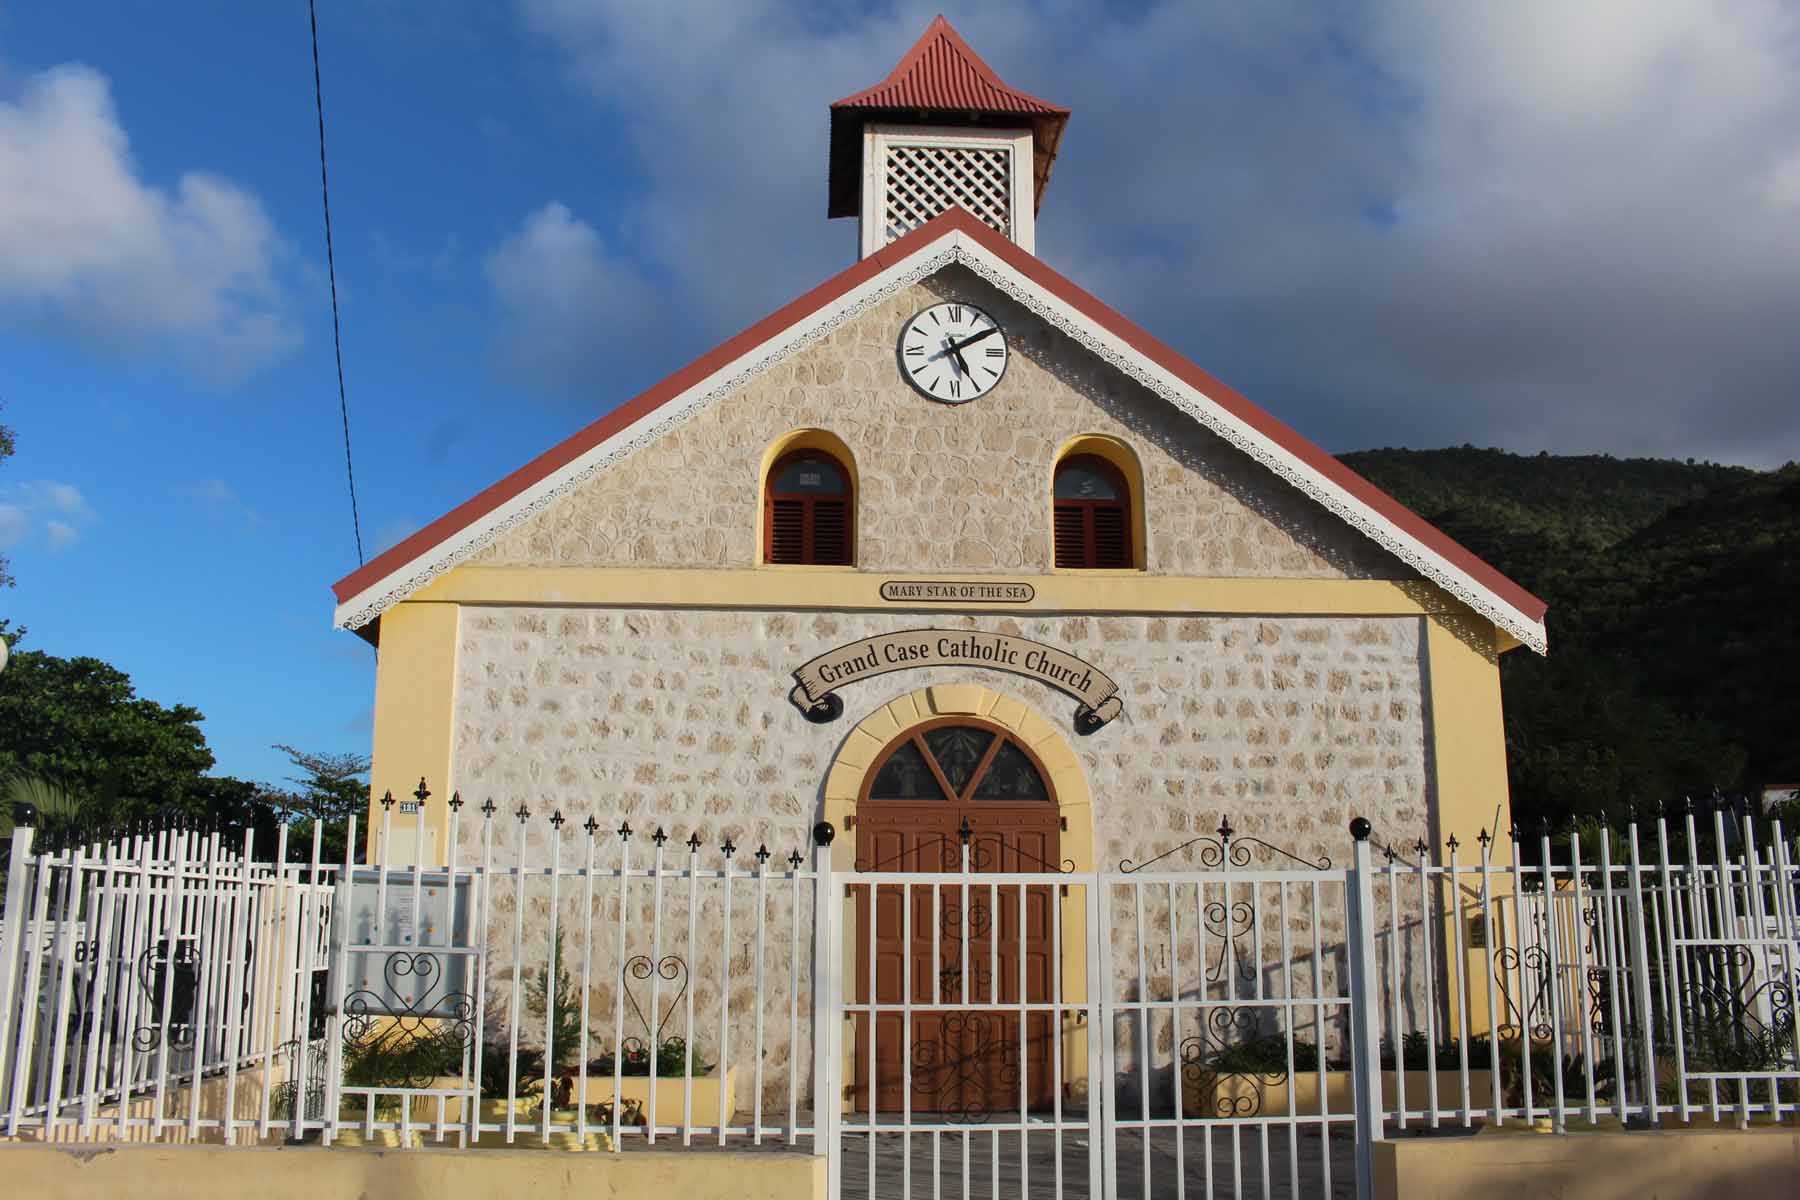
(923, 181)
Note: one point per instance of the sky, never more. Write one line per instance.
(1536, 225)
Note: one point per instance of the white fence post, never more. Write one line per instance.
(1365, 1029)
(825, 984)
(1640, 977)
(11, 936)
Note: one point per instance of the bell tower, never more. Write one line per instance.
(941, 129)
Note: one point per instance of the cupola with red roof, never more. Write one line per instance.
(941, 130)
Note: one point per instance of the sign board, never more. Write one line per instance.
(408, 952)
(816, 681)
(949, 591)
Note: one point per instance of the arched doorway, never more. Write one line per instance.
(932, 787)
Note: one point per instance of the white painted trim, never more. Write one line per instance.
(1253, 442)
(954, 246)
(877, 139)
(371, 601)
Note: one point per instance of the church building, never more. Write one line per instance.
(945, 540)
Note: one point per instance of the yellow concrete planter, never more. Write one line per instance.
(1267, 1095)
(668, 1095)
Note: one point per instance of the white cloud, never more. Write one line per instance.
(1535, 224)
(568, 307)
(59, 510)
(91, 249)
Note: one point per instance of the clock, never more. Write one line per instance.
(953, 352)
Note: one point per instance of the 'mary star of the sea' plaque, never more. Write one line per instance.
(953, 352)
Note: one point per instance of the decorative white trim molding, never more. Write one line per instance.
(372, 601)
(1253, 442)
(953, 247)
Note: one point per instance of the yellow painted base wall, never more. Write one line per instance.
(310, 1172)
(1698, 1164)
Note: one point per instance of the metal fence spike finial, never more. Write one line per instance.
(592, 826)
(659, 837)
(421, 793)
(1421, 848)
(1389, 852)
(728, 847)
(387, 799)
(794, 860)
(523, 813)
(488, 810)
(556, 820)
(964, 832)
(693, 843)
(455, 801)
(624, 831)
(1453, 843)
(1225, 829)
(762, 853)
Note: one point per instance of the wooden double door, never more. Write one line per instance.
(968, 942)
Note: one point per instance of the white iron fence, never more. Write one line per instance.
(963, 1019)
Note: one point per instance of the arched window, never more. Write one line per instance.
(807, 516)
(1093, 514)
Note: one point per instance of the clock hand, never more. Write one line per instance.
(956, 353)
(970, 341)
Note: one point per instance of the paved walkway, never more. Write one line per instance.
(1295, 1171)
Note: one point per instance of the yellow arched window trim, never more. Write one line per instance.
(1125, 461)
(827, 442)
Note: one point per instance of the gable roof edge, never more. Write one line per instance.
(446, 543)
(954, 236)
(1272, 443)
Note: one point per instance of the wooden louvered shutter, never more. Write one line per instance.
(1071, 535)
(809, 512)
(1092, 515)
(787, 531)
(830, 532)
(1111, 536)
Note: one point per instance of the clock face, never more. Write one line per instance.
(953, 352)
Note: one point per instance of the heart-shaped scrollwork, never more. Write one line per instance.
(671, 967)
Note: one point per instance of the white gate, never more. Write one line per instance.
(1131, 1033)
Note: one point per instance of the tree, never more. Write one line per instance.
(331, 789)
(79, 723)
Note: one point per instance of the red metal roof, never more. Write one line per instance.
(940, 81)
(953, 220)
(941, 71)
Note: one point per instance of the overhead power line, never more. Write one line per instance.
(337, 337)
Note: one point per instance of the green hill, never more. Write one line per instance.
(1673, 588)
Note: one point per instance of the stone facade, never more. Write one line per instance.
(952, 488)
(679, 719)
(1288, 726)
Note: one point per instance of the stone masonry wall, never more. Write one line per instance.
(943, 487)
(1288, 726)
